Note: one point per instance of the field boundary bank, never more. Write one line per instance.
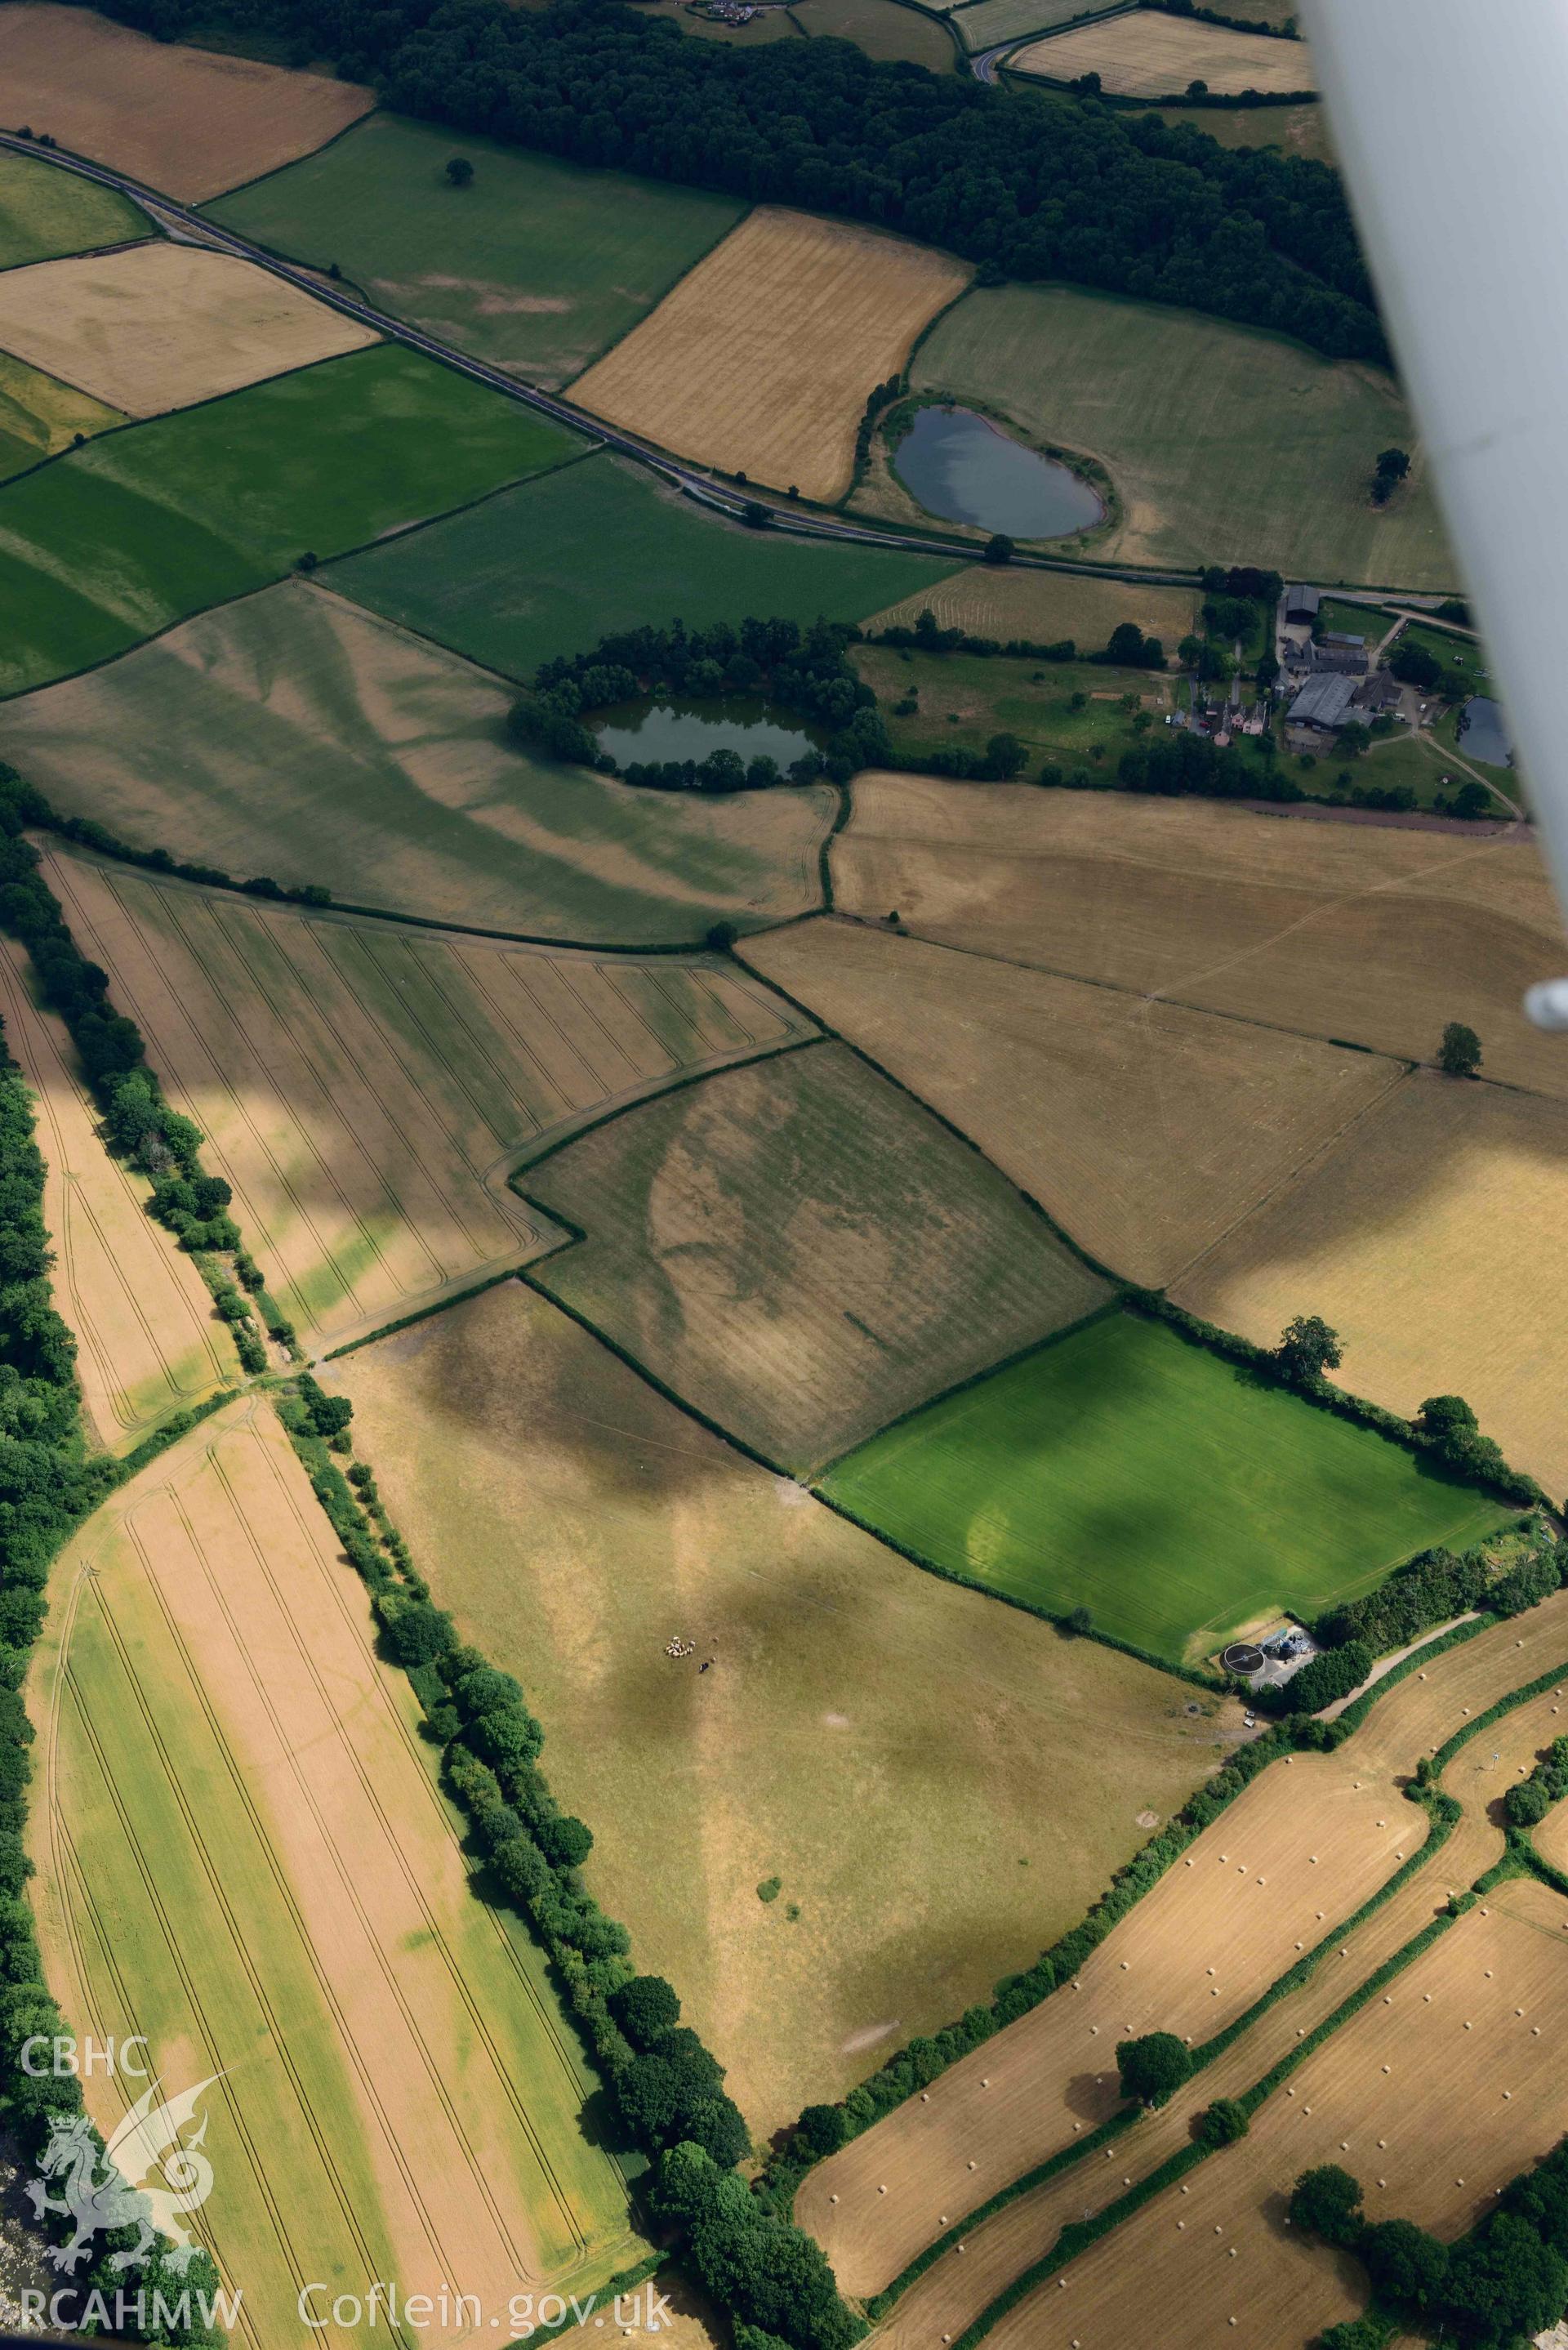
(1444, 1812)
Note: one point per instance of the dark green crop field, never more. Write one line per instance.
(1126, 1471)
(145, 526)
(537, 264)
(553, 567)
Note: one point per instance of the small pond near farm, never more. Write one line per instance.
(961, 467)
(1483, 734)
(669, 729)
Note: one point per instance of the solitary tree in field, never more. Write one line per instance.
(1153, 2067)
(1198, 89)
(460, 172)
(1308, 1348)
(1460, 1055)
(1394, 462)
(1327, 2201)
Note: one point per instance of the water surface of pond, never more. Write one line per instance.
(961, 467)
(1483, 735)
(690, 729)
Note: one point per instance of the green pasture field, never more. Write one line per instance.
(46, 211)
(1227, 445)
(966, 698)
(986, 22)
(1173, 1494)
(882, 28)
(801, 1251)
(1454, 651)
(537, 264)
(1356, 620)
(1295, 129)
(39, 416)
(143, 526)
(295, 734)
(552, 566)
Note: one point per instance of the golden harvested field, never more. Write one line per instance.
(993, 600)
(367, 1089)
(1364, 933)
(1137, 56)
(1429, 1237)
(157, 326)
(802, 1252)
(1050, 2072)
(244, 1855)
(1410, 2094)
(1147, 1131)
(573, 1518)
(148, 1340)
(760, 360)
(186, 122)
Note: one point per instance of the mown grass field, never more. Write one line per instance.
(1175, 1496)
(39, 416)
(1296, 1853)
(366, 1091)
(572, 1519)
(1428, 1238)
(143, 527)
(801, 1252)
(553, 567)
(294, 735)
(148, 1341)
(185, 120)
(154, 327)
(44, 212)
(537, 266)
(244, 1855)
(1297, 129)
(1366, 933)
(760, 361)
(984, 22)
(882, 28)
(1135, 58)
(1227, 445)
(992, 599)
(1146, 1130)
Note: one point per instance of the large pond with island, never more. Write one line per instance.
(956, 464)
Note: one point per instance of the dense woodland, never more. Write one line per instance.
(1029, 184)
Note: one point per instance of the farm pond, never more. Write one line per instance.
(960, 465)
(1483, 732)
(669, 728)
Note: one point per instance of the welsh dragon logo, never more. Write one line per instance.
(125, 2194)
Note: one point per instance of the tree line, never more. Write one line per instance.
(1028, 185)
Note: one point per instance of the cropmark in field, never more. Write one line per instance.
(143, 527)
(550, 567)
(186, 122)
(1135, 58)
(148, 1341)
(39, 417)
(1429, 1236)
(367, 1089)
(1226, 445)
(1146, 1130)
(1172, 1493)
(154, 327)
(44, 212)
(573, 1518)
(760, 361)
(296, 736)
(1368, 934)
(242, 1854)
(536, 266)
(801, 1252)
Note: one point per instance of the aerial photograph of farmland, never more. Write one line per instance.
(783, 1174)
